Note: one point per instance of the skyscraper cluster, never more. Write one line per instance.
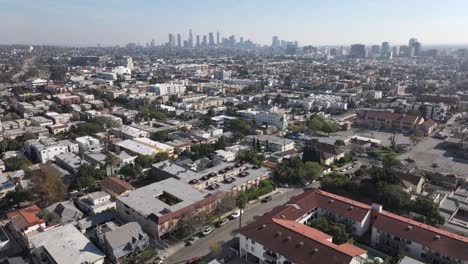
(207, 41)
(413, 49)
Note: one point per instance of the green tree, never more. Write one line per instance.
(111, 161)
(339, 142)
(241, 203)
(87, 176)
(222, 143)
(315, 124)
(17, 163)
(414, 112)
(329, 127)
(144, 161)
(427, 207)
(336, 230)
(19, 196)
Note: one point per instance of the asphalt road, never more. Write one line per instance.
(226, 232)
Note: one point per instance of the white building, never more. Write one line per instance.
(436, 112)
(225, 155)
(64, 244)
(392, 233)
(88, 143)
(171, 88)
(275, 117)
(275, 143)
(44, 149)
(96, 202)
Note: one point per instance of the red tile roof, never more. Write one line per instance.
(429, 123)
(441, 241)
(299, 243)
(393, 116)
(116, 185)
(279, 232)
(26, 217)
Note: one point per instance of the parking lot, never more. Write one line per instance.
(429, 151)
(385, 137)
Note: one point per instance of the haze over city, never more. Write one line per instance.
(233, 131)
(335, 22)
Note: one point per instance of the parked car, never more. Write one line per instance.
(267, 199)
(158, 260)
(222, 222)
(284, 185)
(236, 214)
(207, 230)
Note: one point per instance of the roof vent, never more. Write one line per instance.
(288, 238)
(283, 216)
(350, 208)
(409, 228)
(278, 233)
(331, 201)
(263, 226)
(301, 244)
(437, 237)
(314, 251)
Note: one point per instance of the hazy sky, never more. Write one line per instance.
(316, 22)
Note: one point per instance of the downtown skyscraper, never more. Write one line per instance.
(190, 38)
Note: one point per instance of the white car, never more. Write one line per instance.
(236, 213)
(207, 230)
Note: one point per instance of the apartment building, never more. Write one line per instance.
(389, 120)
(392, 233)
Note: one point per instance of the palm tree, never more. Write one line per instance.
(241, 202)
(112, 161)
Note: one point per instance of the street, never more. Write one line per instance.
(226, 232)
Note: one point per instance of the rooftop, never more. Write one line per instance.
(65, 244)
(145, 199)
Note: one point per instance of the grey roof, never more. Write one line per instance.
(95, 220)
(145, 199)
(66, 210)
(65, 244)
(120, 237)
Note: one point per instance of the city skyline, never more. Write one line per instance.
(309, 22)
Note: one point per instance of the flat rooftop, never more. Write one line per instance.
(186, 175)
(66, 244)
(146, 200)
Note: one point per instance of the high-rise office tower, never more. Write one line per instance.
(198, 40)
(412, 41)
(217, 38)
(275, 43)
(171, 42)
(417, 48)
(358, 51)
(232, 41)
(190, 38)
(396, 51)
(204, 41)
(241, 40)
(179, 41)
(211, 39)
(385, 48)
(375, 50)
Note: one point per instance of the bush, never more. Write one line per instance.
(265, 187)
